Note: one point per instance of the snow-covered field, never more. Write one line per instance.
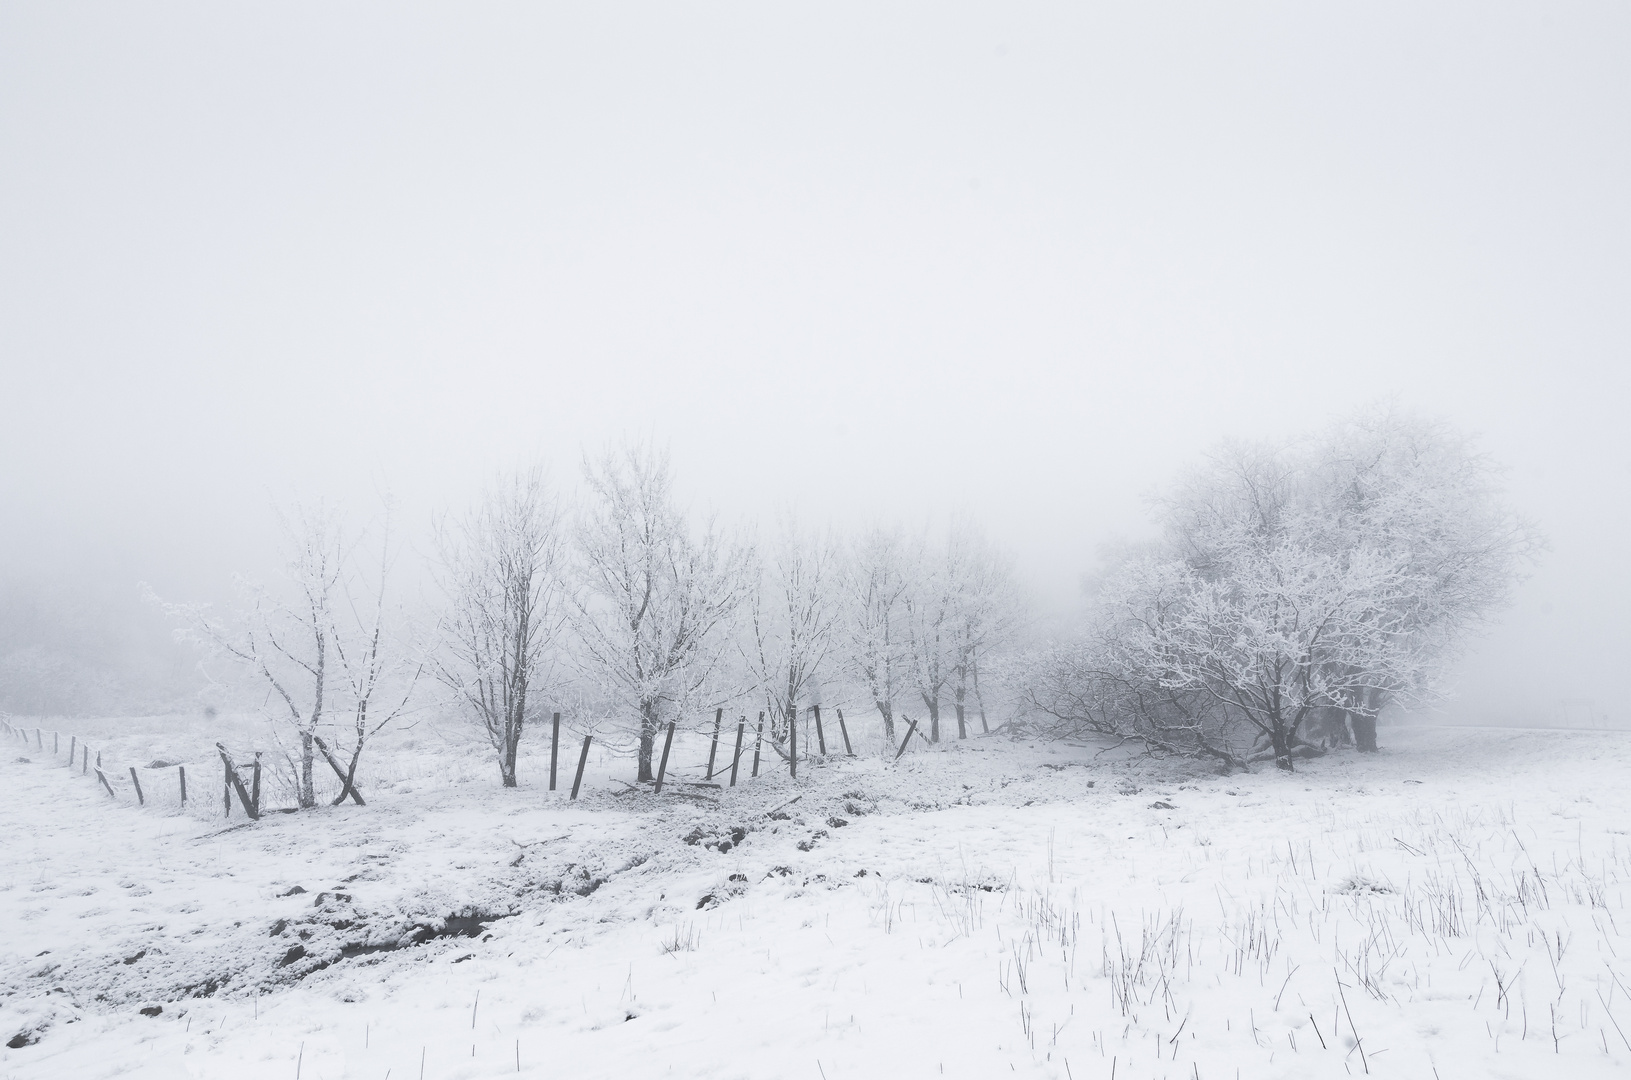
(1447, 908)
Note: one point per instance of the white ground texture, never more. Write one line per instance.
(1447, 908)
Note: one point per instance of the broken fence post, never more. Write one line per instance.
(235, 784)
(662, 766)
(713, 747)
(104, 779)
(911, 726)
(758, 740)
(736, 758)
(554, 746)
(356, 796)
(583, 759)
(843, 730)
(821, 739)
(138, 785)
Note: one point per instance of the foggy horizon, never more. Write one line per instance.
(864, 265)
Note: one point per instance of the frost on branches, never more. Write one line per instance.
(1299, 590)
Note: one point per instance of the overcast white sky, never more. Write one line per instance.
(870, 261)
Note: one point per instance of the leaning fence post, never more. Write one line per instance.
(356, 796)
(583, 759)
(554, 746)
(40, 743)
(904, 743)
(226, 788)
(843, 730)
(138, 784)
(821, 739)
(105, 783)
(235, 784)
(713, 747)
(736, 758)
(758, 740)
(662, 766)
(182, 769)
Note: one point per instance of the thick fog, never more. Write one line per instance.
(856, 262)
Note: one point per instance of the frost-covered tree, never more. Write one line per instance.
(501, 571)
(319, 638)
(655, 602)
(1294, 579)
(793, 607)
(874, 628)
(986, 609)
(932, 577)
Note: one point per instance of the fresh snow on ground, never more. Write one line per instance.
(1447, 908)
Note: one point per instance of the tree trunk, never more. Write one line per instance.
(307, 798)
(648, 738)
(1282, 744)
(933, 704)
(506, 760)
(1364, 732)
(888, 715)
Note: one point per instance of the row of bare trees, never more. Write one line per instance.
(620, 610)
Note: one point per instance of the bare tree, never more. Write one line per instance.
(286, 634)
(794, 608)
(929, 602)
(875, 627)
(655, 603)
(501, 570)
(985, 610)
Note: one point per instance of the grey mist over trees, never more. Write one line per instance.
(1296, 585)
(1298, 589)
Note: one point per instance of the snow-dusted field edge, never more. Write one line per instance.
(1447, 908)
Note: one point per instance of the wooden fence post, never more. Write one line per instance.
(40, 743)
(583, 759)
(226, 788)
(105, 783)
(356, 796)
(554, 746)
(255, 779)
(85, 759)
(821, 739)
(843, 730)
(736, 758)
(793, 741)
(910, 727)
(236, 784)
(662, 766)
(73, 749)
(56, 743)
(713, 747)
(136, 781)
(757, 741)
(182, 769)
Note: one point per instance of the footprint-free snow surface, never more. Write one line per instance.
(1451, 907)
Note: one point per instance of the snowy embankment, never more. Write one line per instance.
(1450, 907)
